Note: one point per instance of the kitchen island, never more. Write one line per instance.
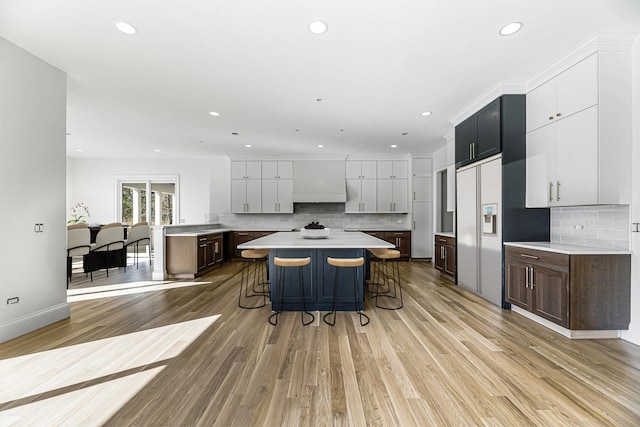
(318, 275)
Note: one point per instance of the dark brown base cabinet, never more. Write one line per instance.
(445, 254)
(188, 257)
(577, 292)
(239, 237)
(401, 239)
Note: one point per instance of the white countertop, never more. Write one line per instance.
(562, 248)
(337, 239)
(199, 232)
(445, 234)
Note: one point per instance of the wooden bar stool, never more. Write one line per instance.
(374, 269)
(389, 256)
(281, 265)
(352, 263)
(251, 258)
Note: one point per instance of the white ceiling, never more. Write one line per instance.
(378, 67)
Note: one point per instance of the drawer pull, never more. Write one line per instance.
(243, 234)
(529, 256)
(442, 240)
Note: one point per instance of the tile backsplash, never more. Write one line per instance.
(605, 226)
(328, 214)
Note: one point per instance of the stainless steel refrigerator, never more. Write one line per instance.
(479, 228)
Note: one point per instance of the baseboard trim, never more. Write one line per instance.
(33, 321)
(632, 335)
(572, 334)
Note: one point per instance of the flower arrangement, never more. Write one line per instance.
(79, 213)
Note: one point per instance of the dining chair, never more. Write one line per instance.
(138, 236)
(109, 240)
(78, 244)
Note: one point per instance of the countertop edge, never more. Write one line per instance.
(567, 249)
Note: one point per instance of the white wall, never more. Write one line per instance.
(633, 334)
(204, 185)
(32, 170)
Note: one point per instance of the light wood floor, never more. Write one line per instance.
(188, 356)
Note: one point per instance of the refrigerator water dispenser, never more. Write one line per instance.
(489, 218)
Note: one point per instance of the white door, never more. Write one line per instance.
(238, 170)
(238, 195)
(401, 169)
(467, 229)
(490, 285)
(269, 195)
(540, 167)
(269, 170)
(254, 170)
(384, 169)
(285, 196)
(541, 105)
(384, 194)
(577, 87)
(368, 169)
(422, 232)
(577, 159)
(368, 195)
(353, 196)
(353, 169)
(254, 195)
(400, 195)
(422, 189)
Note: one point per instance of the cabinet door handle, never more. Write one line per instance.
(470, 151)
(414, 225)
(529, 256)
(414, 195)
(474, 150)
(550, 117)
(558, 191)
(526, 280)
(558, 114)
(550, 191)
(531, 280)
(443, 252)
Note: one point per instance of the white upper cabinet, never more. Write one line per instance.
(246, 170)
(393, 186)
(361, 196)
(360, 169)
(573, 90)
(282, 169)
(579, 134)
(393, 169)
(422, 167)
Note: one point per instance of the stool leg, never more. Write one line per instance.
(244, 283)
(395, 277)
(355, 288)
(304, 304)
(273, 319)
(333, 306)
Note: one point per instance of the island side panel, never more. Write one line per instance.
(345, 293)
(292, 295)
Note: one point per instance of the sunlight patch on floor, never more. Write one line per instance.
(107, 291)
(29, 376)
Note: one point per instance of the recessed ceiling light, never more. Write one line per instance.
(511, 28)
(235, 133)
(214, 113)
(318, 27)
(320, 146)
(125, 27)
(394, 146)
(156, 150)
(248, 145)
(405, 133)
(80, 150)
(425, 114)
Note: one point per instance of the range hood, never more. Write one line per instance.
(319, 181)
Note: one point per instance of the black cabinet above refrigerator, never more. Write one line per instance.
(480, 136)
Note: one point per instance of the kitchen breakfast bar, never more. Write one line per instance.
(318, 275)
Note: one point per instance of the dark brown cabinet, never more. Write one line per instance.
(479, 136)
(401, 240)
(445, 254)
(239, 237)
(578, 292)
(192, 256)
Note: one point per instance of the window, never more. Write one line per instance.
(147, 198)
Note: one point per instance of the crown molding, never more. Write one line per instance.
(495, 91)
(600, 42)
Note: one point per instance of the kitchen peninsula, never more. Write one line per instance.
(318, 275)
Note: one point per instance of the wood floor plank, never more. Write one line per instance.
(448, 358)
